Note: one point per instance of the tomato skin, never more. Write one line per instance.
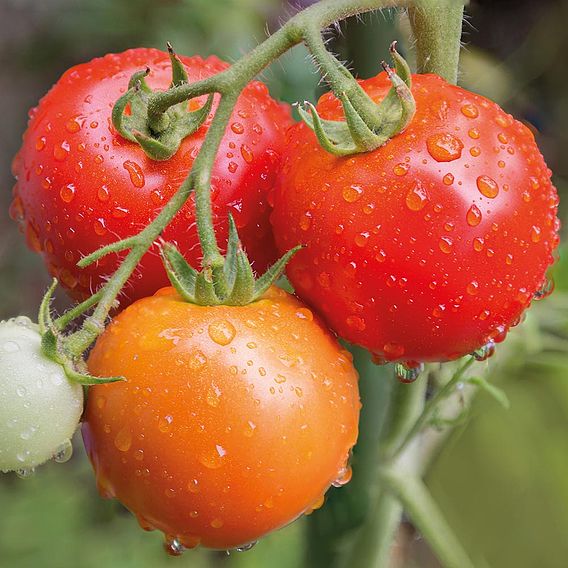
(430, 246)
(81, 185)
(232, 422)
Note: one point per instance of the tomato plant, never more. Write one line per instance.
(39, 406)
(430, 246)
(81, 185)
(232, 422)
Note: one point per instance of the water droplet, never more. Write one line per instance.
(473, 216)
(213, 395)
(193, 486)
(545, 290)
(361, 239)
(304, 313)
(99, 227)
(21, 391)
(197, 360)
(222, 332)
(306, 221)
(475, 151)
(11, 347)
(478, 244)
(233, 167)
(40, 143)
(72, 125)
(165, 423)
(174, 547)
(246, 547)
(247, 154)
(123, 440)
(473, 133)
(535, 234)
(103, 193)
(237, 128)
(417, 197)
(136, 173)
(487, 186)
(448, 179)
(446, 245)
(444, 147)
(472, 288)
(343, 477)
(250, 429)
(61, 151)
(408, 371)
(214, 458)
(502, 138)
(67, 193)
(352, 193)
(217, 523)
(25, 473)
(63, 452)
(484, 352)
(401, 169)
(470, 110)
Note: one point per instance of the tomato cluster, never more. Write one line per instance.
(235, 420)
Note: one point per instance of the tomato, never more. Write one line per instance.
(39, 407)
(430, 246)
(232, 422)
(80, 185)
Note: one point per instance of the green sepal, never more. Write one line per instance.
(163, 139)
(495, 392)
(273, 273)
(204, 290)
(179, 74)
(181, 274)
(242, 292)
(123, 123)
(84, 378)
(367, 125)
(44, 319)
(49, 346)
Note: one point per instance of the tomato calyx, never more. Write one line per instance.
(161, 139)
(231, 282)
(53, 346)
(367, 125)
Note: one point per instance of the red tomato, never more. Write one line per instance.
(81, 185)
(430, 246)
(232, 422)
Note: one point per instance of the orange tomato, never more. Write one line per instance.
(232, 421)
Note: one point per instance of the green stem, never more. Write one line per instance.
(427, 517)
(431, 405)
(373, 544)
(437, 27)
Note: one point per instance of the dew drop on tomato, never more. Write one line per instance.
(444, 147)
(487, 186)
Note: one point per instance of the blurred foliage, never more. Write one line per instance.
(502, 480)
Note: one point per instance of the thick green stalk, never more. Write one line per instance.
(373, 544)
(437, 26)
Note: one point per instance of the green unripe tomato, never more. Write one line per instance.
(39, 407)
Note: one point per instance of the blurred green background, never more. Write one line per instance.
(503, 479)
